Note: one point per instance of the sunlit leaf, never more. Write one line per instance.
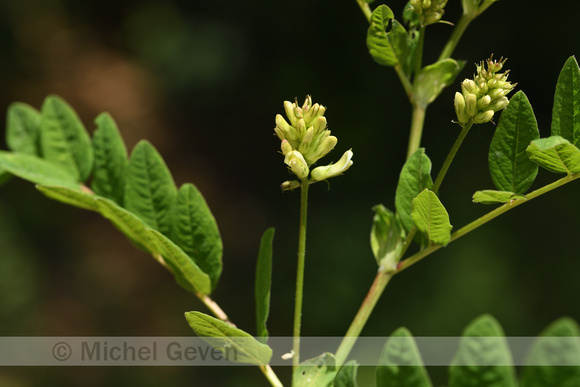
(386, 38)
(23, 129)
(556, 154)
(431, 217)
(566, 110)
(36, 170)
(262, 283)
(489, 196)
(319, 371)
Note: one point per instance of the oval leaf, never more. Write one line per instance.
(222, 335)
(74, 197)
(36, 170)
(431, 217)
(510, 168)
(149, 191)
(553, 358)
(110, 160)
(346, 377)
(483, 357)
(386, 38)
(64, 139)
(414, 178)
(319, 371)
(387, 237)
(194, 229)
(400, 364)
(432, 79)
(187, 274)
(23, 129)
(262, 283)
(566, 110)
(489, 196)
(556, 154)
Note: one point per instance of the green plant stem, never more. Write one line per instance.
(300, 272)
(486, 218)
(456, 36)
(451, 156)
(417, 122)
(419, 55)
(381, 280)
(271, 376)
(366, 9)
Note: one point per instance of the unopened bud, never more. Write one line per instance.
(483, 117)
(459, 103)
(286, 147)
(483, 101)
(289, 185)
(471, 104)
(306, 140)
(289, 109)
(499, 104)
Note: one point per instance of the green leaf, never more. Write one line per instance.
(483, 357)
(387, 237)
(400, 363)
(150, 191)
(566, 110)
(223, 336)
(74, 197)
(431, 217)
(386, 38)
(432, 79)
(510, 168)
(36, 170)
(489, 196)
(23, 129)
(556, 154)
(346, 377)
(553, 358)
(128, 223)
(262, 284)
(194, 229)
(414, 178)
(110, 160)
(187, 274)
(319, 371)
(64, 139)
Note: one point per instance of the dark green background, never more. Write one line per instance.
(203, 81)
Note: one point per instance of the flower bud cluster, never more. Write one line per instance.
(306, 139)
(429, 11)
(483, 95)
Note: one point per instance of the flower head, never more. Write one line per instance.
(429, 11)
(305, 140)
(483, 95)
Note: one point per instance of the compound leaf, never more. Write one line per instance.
(554, 357)
(73, 197)
(23, 129)
(149, 191)
(36, 170)
(222, 336)
(319, 371)
(110, 160)
(431, 217)
(483, 357)
(489, 196)
(414, 178)
(386, 38)
(566, 109)
(194, 229)
(262, 283)
(510, 168)
(64, 139)
(400, 363)
(556, 154)
(187, 274)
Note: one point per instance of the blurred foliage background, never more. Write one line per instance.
(203, 82)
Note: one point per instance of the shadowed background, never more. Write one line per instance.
(203, 81)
